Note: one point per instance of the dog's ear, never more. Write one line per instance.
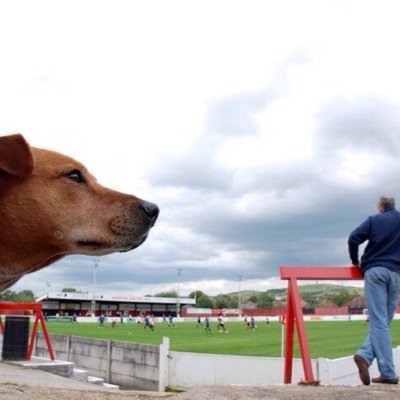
(15, 156)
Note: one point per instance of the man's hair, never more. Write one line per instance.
(386, 201)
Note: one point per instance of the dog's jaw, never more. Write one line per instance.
(91, 247)
(13, 270)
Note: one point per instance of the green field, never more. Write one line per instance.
(328, 339)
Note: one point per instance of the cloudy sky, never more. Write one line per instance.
(264, 130)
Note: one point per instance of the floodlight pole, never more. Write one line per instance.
(178, 302)
(239, 295)
(96, 264)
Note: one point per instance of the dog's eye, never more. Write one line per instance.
(75, 175)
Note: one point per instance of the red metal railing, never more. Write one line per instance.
(294, 313)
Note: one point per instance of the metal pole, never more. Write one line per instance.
(240, 296)
(48, 284)
(178, 303)
(96, 264)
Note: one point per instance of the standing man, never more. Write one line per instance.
(380, 266)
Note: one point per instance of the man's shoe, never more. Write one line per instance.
(381, 379)
(362, 369)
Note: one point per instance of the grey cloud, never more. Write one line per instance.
(230, 116)
(234, 116)
(196, 171)
(368, 123)
(278, 177)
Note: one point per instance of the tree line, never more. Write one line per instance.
(312, 295)
(261, 299)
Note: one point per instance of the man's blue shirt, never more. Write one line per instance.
(383, 234)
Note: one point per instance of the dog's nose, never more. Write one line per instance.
(151, 210)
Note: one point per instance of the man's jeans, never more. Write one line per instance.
(382, 288)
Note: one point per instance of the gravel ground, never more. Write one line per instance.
(292, 392)
(18, 383)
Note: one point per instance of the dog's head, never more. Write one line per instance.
(50, 206)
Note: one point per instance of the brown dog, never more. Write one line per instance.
(51, 206)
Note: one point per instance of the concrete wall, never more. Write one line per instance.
(342, 371)
(150, 367)
(192, 369)
(127, 364)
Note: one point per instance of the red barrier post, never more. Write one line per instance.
(294, 313)
(37, 309)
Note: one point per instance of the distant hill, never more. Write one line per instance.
(320, 288)
(245, 293)
(312, 293)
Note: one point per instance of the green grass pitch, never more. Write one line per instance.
(329, 339)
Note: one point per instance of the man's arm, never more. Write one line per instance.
(358, 236)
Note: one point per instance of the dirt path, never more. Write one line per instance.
(12, 391)
(292, 392)
(17, 383)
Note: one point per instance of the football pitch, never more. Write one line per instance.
(329, 339)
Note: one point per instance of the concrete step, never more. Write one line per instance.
(95, 380)
(111, 386)
(62, 368)
(80, 375)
